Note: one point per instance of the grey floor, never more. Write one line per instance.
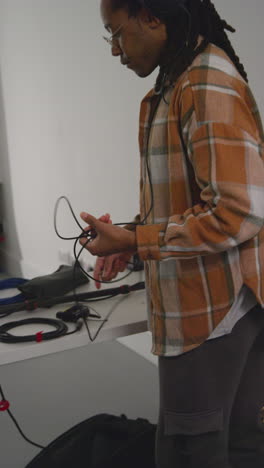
(49, 395)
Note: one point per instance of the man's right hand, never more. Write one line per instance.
(107, 268)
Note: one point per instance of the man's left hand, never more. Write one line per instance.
(109, 238)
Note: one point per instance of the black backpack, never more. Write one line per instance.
(102, 441)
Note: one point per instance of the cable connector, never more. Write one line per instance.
(75, 313)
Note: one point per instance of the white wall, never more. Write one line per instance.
(71, 125)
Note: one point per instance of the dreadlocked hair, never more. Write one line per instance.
(185, 21)
(215, 31)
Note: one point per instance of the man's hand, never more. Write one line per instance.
(109, 239)
(107, 268)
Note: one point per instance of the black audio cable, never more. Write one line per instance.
(80, 311)
(61, 329)
(92, 296)
(4, 406)
(89, 235)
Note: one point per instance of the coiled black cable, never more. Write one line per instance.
(61, 329)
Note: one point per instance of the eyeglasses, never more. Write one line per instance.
(113, 40)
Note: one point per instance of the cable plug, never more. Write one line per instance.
(74, 313)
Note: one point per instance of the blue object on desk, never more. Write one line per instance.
(11, 283)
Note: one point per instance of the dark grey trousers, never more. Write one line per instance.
(212, 401)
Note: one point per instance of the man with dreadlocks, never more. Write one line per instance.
(200, 230)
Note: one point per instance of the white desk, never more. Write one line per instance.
(128, 317)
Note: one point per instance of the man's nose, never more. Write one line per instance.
(116, 51)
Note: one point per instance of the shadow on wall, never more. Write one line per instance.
(10, 252)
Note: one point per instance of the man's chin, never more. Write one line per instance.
(141, 73)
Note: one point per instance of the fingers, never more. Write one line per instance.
(106, 218)
(89, 219)
(122, 266)
(107, 268)
(91, 230)
(104, 270)
(94, 227)
(98, 271)
(114, 264)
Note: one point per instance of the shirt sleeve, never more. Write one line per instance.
(229, 170)
(133, 224)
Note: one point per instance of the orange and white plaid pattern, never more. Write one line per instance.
(204, 237)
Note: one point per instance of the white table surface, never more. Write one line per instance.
(126, 316)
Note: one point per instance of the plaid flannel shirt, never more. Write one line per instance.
(204, 237)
